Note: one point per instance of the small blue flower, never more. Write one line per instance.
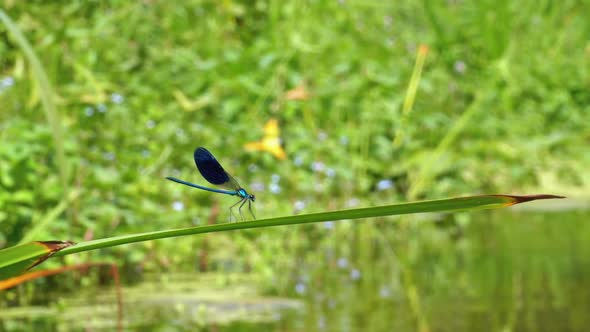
(384, 292)
(257, 186)
(300, 288)
(275, 178)
(355, 274)
(178, 206)
(384, 184)
(89, 111)
(318, 166)
(299, 205)
(460, 67)
(117, 98)
(330, 172)
(274, 188)
(344, 140)
(101, 108)
(342, 262)
(7, 82)
(352, 202)
(329, 225)
(298, 161)
(150, 124)
(109, 156)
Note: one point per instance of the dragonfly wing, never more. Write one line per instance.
(232, 184)
(210, 168)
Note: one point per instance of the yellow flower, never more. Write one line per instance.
(271, 142)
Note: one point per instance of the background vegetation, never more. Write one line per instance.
(503, 105)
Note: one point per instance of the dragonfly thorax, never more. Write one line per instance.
(244, 194)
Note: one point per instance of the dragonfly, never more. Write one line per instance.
(214, 173)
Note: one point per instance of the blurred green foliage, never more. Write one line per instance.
(517, 72)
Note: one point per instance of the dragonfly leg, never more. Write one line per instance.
(231, 212)
(250, 209)
(240, 208)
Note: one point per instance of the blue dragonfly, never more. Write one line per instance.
(213, 172)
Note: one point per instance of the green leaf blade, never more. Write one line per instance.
(18, 259)
(442, 205)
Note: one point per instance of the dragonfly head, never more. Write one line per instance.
(252, 197)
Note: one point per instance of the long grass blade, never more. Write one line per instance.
(443, 205)
(15, 260)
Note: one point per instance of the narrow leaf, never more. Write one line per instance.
(442, 205)
(17, 259)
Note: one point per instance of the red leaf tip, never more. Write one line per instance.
(517, 199)
(54, 246)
